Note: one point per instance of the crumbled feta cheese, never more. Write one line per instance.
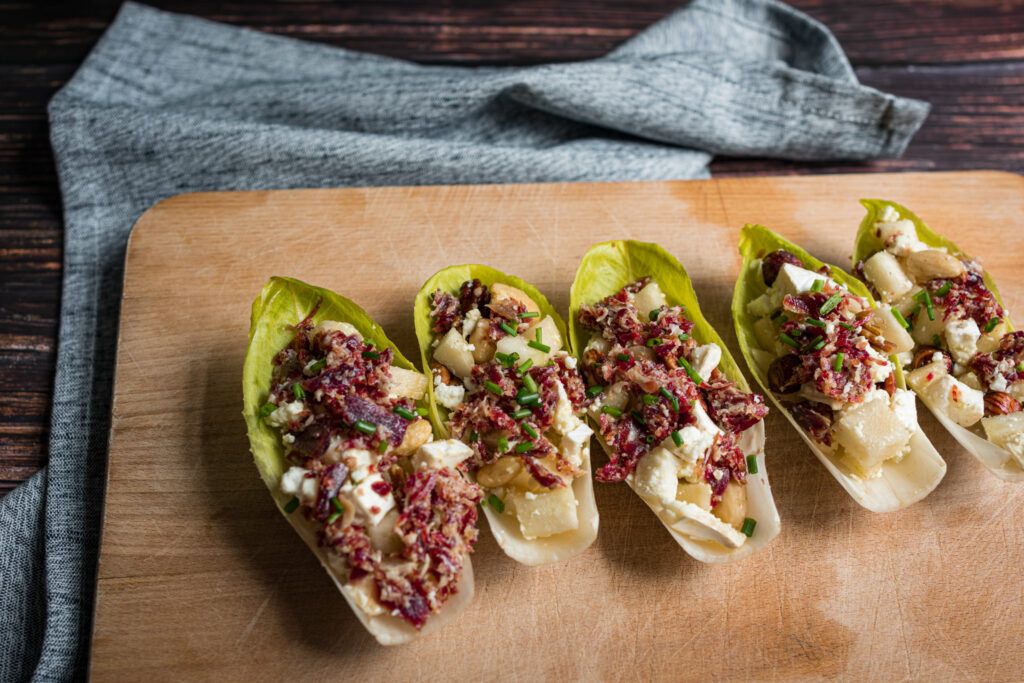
(904, 405)
(881, 370)
(570, 362)
(286, 413)
(438, 454)
(565, 418)
(697, 439)
(795, 280)
(294, 482)
(705, 358)
(906, 358)
(288, 439)
(889, 214)
(574, 442)
(655, 478)
(469, 322)
(899, 236)
(448, 395)
(962, 338)
(369, 502)
(998, 383)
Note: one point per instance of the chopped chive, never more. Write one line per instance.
(336, 504)
(671, 398)
(493, 388)
(900, 319)
(748, 527)
(529, 314)
(677, 438)
(788, 341)
(503, 444)
(697, 379)
(333, 517)
(503, 358)
(929, 306)
(298, 390)
(623, 356)
(649, 399)
(526, 398)
(847, 326)
(1020, 367)
(291, 506)
(944, 289)
(539, 336)
(815, 322)
(818, 285)
(530, 384)
(683, 336)
(991, 324)
(267, 409)
(511, 331)
(649, 438)
(936, 341)
(370, 343)
(497, 503)
(524, 366)
(837, 364)
(521, 413)
(752, 464)
(638, 416)
(611, 410)
(365, 427)
(779, 318)
(529, 429)
(594, 391)
(373, 355)
(652, 315)
(422, 411)
(816, 346)
(473, 437)
(652, 342)
(382, 447)
(832, 302)
(543, 348)
(316, 366)
(524, 447)
(405, 412)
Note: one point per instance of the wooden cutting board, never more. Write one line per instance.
(200, 577)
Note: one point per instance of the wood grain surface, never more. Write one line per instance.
(964, 56)
(201, 578)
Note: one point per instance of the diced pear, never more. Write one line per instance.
(886, 274)
(919, 380)
(545, 514)
(649, 298)
(502, 292)
(1007, 432)
(732, 509)
(454, 353)
(699, 494)
(767, 334)
(892, 330)
(329, 326)
(989, 341)
(957, 400)
(407, 384)
(871, 433)
(521, 343)
(924, 330)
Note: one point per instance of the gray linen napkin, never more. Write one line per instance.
(167, 104)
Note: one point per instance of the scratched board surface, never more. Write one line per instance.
(201, 577)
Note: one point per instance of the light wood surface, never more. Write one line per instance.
(201, 578)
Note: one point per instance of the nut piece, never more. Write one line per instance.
(931, 264)
(784, 374)
(925, 354)
(1000, 403)
(444, 373)
(416, 434)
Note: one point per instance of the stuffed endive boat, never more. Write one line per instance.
(967, 363)
(334, 425)
(671, 408)
(816, 343)
(505, 384)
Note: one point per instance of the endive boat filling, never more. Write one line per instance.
(395, 515)
(669, 418)
(826, 351)
(514, 397)
(953, 331)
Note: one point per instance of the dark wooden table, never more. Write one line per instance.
(966, 57)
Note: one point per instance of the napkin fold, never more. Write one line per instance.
(167, 104)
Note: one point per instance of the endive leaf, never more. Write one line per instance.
(505, 527)
(608, 267)
(902, 483)
(997, 460)
(281, 304)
